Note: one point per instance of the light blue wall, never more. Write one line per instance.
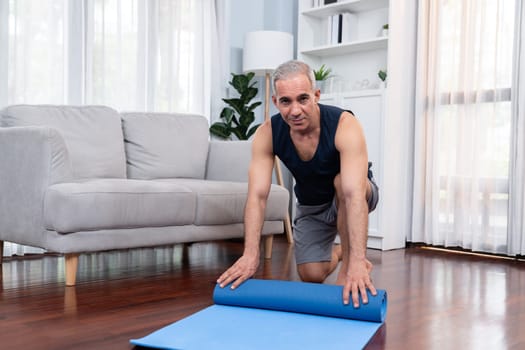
(245, 16)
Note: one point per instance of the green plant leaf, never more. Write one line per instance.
(246, 119)
(249, 94)
(227, 115)
(220, 130)
(322, 73)
(236, 103)
(254, 105)
(240, 83)
(239, 134)
(382, 75)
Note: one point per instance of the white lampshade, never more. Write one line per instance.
(265, 50)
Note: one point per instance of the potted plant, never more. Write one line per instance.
(238, 117)
(321, 75)
(382, 75)
(384, 31)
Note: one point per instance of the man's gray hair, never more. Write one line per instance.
(290, 68)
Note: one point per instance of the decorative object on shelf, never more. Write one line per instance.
(333, 84)
(321, 75)
(384, 31)
(382, 75)
(361, 84)
(263, 52)
(327, 2)
(240, 127)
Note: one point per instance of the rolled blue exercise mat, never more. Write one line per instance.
(276, 315)
(301, 297)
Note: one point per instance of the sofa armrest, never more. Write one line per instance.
(228, 160)
(31, 159)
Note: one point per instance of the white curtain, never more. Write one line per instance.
(517, 155)
(167, 48)
(132, 55)
(463, 122)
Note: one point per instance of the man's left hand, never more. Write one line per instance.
(357, 281)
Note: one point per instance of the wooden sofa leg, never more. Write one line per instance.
(71, 268)
(288, 228)
(268, 242)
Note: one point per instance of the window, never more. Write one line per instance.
(468, 66)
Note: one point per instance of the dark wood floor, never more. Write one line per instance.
(437, 300)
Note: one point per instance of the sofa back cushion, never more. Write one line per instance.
(92, 134)
(162, 145)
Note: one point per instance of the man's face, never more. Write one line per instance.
(296, 101)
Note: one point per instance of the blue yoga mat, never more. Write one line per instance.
(269, 314)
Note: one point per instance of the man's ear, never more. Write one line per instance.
(317, 94)
(274, 100)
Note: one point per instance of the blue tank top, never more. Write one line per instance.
(314, 179)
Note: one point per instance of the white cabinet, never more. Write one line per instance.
(368, 107)
(355, 84)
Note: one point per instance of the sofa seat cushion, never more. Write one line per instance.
(222, 202)
(117, 203)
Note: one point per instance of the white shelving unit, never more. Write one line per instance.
(346, 48)
(355, 65)
(342, 6)
(353, 61)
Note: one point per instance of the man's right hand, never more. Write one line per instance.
(244, 268)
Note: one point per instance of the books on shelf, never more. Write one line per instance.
(341, 28)
(318, 3)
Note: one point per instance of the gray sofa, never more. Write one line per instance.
(86, 179)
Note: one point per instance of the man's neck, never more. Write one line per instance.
(306, 141)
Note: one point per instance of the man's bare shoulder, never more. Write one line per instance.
(262, 139)
(349, 131)
(348, 121)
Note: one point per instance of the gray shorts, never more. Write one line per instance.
(315, 228)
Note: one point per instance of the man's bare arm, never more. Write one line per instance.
(259, 182)
(351, 144)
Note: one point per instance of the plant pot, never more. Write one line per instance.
(320, 84)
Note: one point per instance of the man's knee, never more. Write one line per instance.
(313, 272)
